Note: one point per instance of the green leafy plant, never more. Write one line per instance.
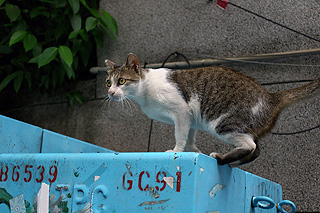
(48, 44)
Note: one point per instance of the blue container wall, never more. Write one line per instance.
(19, 137)
(131, 182)
(71, 176)
(231, 190)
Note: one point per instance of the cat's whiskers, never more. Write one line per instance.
(130, 101)
(105, 102)
(127, 101)
(122, 101)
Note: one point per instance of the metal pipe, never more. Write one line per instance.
(220, 61)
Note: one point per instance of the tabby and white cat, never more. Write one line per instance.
(218, 100)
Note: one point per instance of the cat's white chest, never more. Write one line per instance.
(160, 99)
(158, 113)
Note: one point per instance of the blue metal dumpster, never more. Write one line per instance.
(42, 171)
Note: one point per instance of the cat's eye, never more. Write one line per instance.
(121, 81)
(109, 83)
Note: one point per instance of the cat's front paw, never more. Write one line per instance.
(171, 150)
(192, 149)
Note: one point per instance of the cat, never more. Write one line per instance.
(218, 100)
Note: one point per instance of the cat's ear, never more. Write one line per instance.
(110, 64)
(133, 62)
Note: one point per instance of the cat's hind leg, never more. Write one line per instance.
(252, 156)
(191, 143)
(245, 147)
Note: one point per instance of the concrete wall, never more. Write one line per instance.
(152, 30)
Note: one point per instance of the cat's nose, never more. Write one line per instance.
(111, 92)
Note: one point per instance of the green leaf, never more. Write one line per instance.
(85, 52)
(75, 64)
(22, 25)
(77, 43)
(60, 30)
(75, 96)
(110, 21)
(79, 97)
(73, 34)
(94, 12)
(98, 37)
(58, 3)
(81, 32)
(17, 36)
(47, 56)
(34, 60)
(91, 23)
(109, 33)
(7, 80)
(66, 55)
(37, 50)
(39, 11)
(76, 22)
(29, 79)
(29, 42)
(75, 5)
(1, 2)
(84, 35)
(84, 3)
(107, 22)
(12, 11)
(70, 97)
(18, 81)
(68, 70)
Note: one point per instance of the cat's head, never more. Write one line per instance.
(123, 80)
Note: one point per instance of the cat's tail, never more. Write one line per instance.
(287, 97)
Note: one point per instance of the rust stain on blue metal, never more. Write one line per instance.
(152, 192)
(154, 202)
(76, 174)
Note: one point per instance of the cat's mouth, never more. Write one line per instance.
(115, 98)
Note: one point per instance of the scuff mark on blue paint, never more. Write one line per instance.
(215, 190)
